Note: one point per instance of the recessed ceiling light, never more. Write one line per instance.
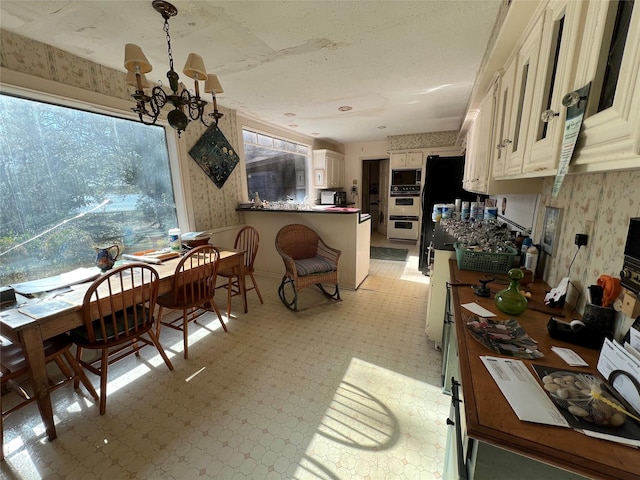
(315, 134)
(382, 127)
(345, 108)
(293, 126)
(289, 114)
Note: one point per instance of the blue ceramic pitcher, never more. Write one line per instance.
(105, 258)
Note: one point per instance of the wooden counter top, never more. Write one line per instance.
(490, 418)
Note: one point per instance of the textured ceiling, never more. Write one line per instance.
(406, 65)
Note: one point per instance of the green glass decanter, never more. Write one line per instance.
(510, 300)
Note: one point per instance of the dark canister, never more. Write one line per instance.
(599, 318)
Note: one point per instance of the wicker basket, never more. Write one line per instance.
(485, 261)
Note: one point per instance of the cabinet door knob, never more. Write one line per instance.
(548, 115)
(506, 142)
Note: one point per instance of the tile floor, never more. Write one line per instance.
(342, 391)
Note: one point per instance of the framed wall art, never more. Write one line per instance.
(215, 155)
(550, 229)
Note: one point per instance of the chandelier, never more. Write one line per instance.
(186, 105)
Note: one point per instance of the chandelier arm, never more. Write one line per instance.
(149, 108)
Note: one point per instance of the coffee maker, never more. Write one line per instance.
(340, 198)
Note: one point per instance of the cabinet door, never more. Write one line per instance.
(556, 71)
(398, 160)
(335, 170)
(415, 159)
(526, 68)
(320, 174)
(610, 59)
(480, 145)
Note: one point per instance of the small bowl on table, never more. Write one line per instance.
(196, 243)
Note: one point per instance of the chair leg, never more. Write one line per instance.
(63, 367)
(158, 345)
(104, 364)
(185, 332)
(159, 322)
(76, 381)
(255, 286)
(229, 289)
(282, 293)
(212, 304)
(79, 373)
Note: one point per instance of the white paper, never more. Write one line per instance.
(614, 357)
(525, 395)
(569, 356)
(612, 438)
(478, 310)
(634, 339)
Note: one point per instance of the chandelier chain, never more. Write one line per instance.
(169, 51)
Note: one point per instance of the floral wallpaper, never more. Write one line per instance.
(213, 207)
(422, 140)
(599, 204)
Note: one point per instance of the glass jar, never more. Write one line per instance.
(510, 300)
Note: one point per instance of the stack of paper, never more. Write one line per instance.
(616, 357)
(152, 256)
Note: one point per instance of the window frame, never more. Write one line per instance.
(249, 123)
(47, 91)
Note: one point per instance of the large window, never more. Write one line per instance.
(72, 180)
(276, 168)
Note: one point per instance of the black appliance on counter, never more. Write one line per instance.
(442, 184)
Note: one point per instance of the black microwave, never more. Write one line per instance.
(406, 176)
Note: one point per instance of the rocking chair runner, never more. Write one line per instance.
(308, 260)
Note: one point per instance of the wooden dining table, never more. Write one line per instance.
(30, 333)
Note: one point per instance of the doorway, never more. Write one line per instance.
(371, 201)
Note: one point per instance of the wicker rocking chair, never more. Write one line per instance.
(307, 261)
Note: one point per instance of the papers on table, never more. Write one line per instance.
(79, 275)
(152, 256)
(190, 236)
(525, 395)
(615, 357)
(479, 310)
(46, 308)
(569, 356)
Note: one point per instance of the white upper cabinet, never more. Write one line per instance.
(477, 158)
(555, 77)
(610, 59)
(544, 51)
(481, 153)
(328, 169)
(515, 141)
(407, 159)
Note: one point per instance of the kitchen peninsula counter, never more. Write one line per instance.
(491, 420)
(344, 228)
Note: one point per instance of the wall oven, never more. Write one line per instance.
(406, 182)
(404, 218)
(404, 206)
(403, 227)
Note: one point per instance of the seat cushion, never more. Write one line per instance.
(317, 264)
(80, 335)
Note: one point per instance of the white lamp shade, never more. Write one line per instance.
(134, 57)
(212, 84)
(194, 68)
(131, 80)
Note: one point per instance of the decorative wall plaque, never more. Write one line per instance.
(215, 155)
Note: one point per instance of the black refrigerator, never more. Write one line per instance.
(442, 184)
